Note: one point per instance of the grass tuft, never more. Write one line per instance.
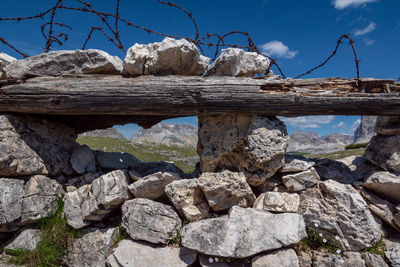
(57, 237)
(316, 242)
(378, 248)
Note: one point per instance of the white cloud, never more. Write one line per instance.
(369, 41)
(370, 28)
(278, 49)
(341, 4)
(339, 125)
(308, 121)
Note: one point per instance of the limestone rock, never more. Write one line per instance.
(348, 259)
(305, 259)
(147, 168)
(226, 189)
(338, 210)
(41, 198)
(135, 176)
(92, 248)
(269, 184)
(381, 208)
(169, 57)
(384, 184)
(34, 146)
(151, 221)
(301, 181)
(373, 260)
(188, 199)
(295, 163)
(133, 253)
(28, 239)
(244, 233)
(360, 168)
(393, 256)
(5, 59)
(384, 151)
(244, 143)
(153, 185)
(329, 169)
(11, 194)
(60, 62)
(238, 63)
(278, 258)
(281, 202)
(93, 202)
(83, 160)
(387, 125)
(115, 160)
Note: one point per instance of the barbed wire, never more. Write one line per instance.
(112, 34)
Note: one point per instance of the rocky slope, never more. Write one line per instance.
(182, 135)
(110, 132)
(365, 130)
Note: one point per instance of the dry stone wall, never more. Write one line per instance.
(250, 204)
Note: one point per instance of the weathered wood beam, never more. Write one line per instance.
(148, 99)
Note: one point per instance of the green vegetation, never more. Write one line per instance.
(378, 248)
(183, 157)
(177, 239)
(121, 235)
(316, 241)
(340, 154)
(58, 236)
(354, 146)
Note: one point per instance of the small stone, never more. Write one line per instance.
(278, 258)
(11, 195)
(6, 59)
(28, 239)
(393, 255)
(188, 199)
(151, 221)
(348, 259)
(169, 57)
(73, 206)
(281, 202)
(60, 62)
(384, 151)
(384, 184)
(135, 176)
(301, 181)
(115, 160)
(153, 185)
(238, 63)
(83, 160)
(387, 125)
(137, 253)
(373, 260)
(147, 168)
(294, 163)
(226, 189)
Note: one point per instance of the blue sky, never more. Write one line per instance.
(298, 33)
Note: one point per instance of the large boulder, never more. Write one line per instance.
(83, 160)
(360, 168)
(30, 145)
(238, 63)
(254, 145)
(245, 232)
(151, 221)
(188, 199)
(169, 57)
(384, 151)
(300, 181)
(280, 202)
(226, 189)
(92, 248)
(115, 160)
(41, 199)
(27, 239)
(134, 253)
(153, 186)
(94, 201)
(60, 62)
(387, 125)
(11, 194)
(341, 214)
(278, 258)
(329, 169)
(384, 184)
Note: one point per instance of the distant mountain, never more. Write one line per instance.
(183, 135)
(110, 132)
(313, 143)
(365, 130)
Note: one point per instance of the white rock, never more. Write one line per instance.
(226, 189)
(393, 255)
(244, 233)
(384, 184)
(60, 62)
(281, 202)
(169, 57)
(28, 239)
(384, 151)
(6, 59)
(238, 63)
(153, 185)
(133, 253)
(83, 160)
(301, 181)
(11, 194)
(278, 258)
(188, 199)
(295, 163)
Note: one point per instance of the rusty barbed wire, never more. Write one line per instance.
(112, 34)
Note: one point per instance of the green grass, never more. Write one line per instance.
(315, 242)
(354, 146)
(176, 240)
(57, 237)
(183, 157)
(378, 248)
(340, 154)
